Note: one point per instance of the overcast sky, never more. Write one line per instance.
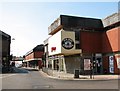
(28, 22)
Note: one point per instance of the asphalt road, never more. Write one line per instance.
(36, 80)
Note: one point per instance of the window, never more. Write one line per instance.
(77, 39)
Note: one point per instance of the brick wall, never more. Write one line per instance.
(30, 56)
(91, 42)
(34, 55)
(106, 63)
(38, 54)
(119, 38)
(110, 40)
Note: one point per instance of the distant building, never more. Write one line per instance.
(33, 58)
(77, 42)
(5, 41)
(17, 60)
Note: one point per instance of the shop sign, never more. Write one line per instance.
(111, 64)
(98, 55)
(53, 49)
(118, 63)
(86, 64)
(68, 43)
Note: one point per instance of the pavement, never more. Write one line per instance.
(82, 77)
(66, 76)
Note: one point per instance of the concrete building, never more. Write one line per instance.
(81, 43)
(33, 58)
(70, 43)
(5, 41)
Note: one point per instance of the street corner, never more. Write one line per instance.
(43, 73)
(81, 77)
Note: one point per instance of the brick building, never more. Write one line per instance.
(110, 43)
(83, 43)
(33, 58)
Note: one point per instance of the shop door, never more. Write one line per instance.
(99, 65)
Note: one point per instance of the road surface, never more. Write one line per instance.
(32, 79)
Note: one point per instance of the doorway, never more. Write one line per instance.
(99, 65)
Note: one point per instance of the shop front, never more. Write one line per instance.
(63, 55)
(56, 63)
(91, 63)
(85, 44)
(111, 63)
(33, 63)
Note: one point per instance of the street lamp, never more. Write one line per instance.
(13, 38)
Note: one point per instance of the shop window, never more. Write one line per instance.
(56, 64)
(61, 65)
(50, 64)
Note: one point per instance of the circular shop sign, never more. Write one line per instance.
(67, 43)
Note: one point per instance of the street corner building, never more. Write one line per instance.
(5, 41)
(80, 43)
(111, 43)
(33, 58)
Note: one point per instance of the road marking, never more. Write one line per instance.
(7, 76)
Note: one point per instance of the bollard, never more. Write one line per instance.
(76, 74)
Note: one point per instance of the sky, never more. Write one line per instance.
(28, 22)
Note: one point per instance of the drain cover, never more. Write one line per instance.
(42, 87)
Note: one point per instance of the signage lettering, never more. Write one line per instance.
(53, 49)
(111, 64)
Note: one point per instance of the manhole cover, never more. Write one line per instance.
(42, 87)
